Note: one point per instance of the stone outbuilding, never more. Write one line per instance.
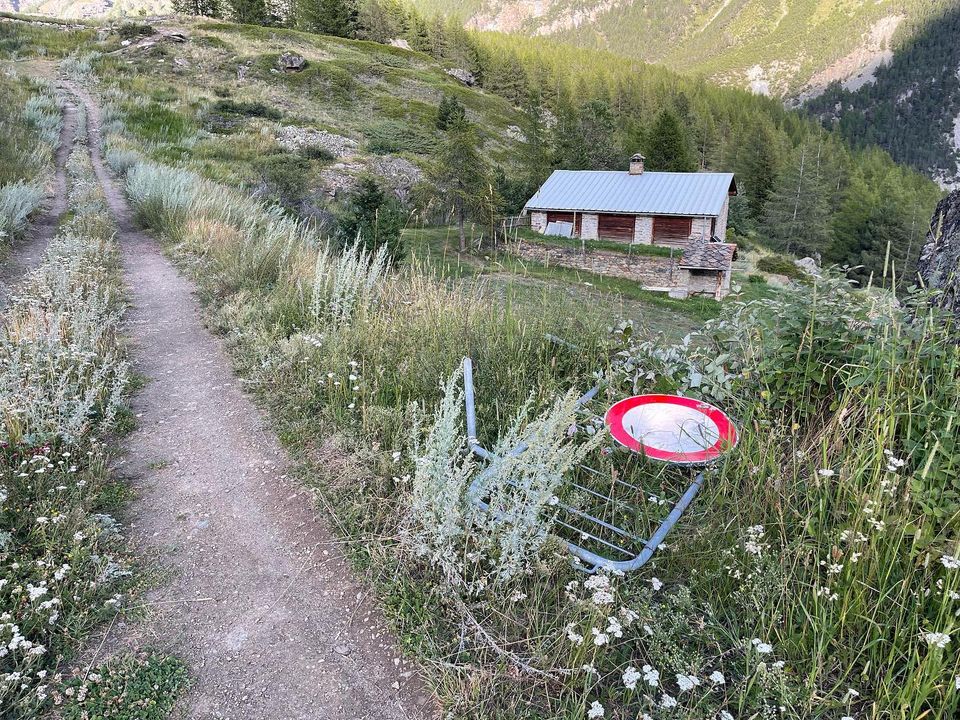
(685, 211)
(661, 208)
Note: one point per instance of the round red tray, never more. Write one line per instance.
(671, 428)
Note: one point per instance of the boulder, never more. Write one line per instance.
(464, 76)
(291, 62)
(808, 265)
(400, 43)
(939, 264)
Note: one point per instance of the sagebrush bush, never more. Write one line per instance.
(17, 201)
(63, 567)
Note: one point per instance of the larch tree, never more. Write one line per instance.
(462, 178)
(797, 214)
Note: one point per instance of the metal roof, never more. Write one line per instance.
(649, 193)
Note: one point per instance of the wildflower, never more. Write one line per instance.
(589, 669)
(724, 715)
(630, 677)
(650, 676)
(826, 472)
(717, 678)
(938, 639)
(573, 636)
(42, 520)
(629, 616)
(517, 596)
(847, 717)
(956, 682)
(762, 647)
(893, 463)
(614, 627)
(851, 693)
(36, 591)
(950, 562)
(595, 711)
(655, 582)
(599, 638)
(668, 701)
(687, 682)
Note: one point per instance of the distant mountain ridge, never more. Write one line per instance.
(778, 47)
(912, 108)
(86, 8)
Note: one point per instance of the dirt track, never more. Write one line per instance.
(259, 602)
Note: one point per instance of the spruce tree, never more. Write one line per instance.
(667, 146)
(329, 17)
(450, 112)
(249, 12)
(203, 8)
(375, 219)
(760, 168)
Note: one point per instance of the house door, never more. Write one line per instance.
(669, 230)
(616, 227)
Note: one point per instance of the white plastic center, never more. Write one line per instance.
(671, 428)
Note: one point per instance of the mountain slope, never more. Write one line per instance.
(779, 47)
(913, 108)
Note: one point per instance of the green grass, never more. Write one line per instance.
(435, 246)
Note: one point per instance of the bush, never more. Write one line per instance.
(780, 265)
(247, 109)
(284, 177)
(133, 30)
(393, 137)
(17, 201)
(375, 220)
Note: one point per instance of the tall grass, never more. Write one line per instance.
(17, 201)
(814, 577)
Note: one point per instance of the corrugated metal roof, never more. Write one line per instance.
(650, 193)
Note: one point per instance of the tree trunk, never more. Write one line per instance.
(461, 219)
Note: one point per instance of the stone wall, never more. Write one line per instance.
(722, 220)
(700, 227)
(588, 226)
(538, 221)
(643, 230)
(650, 271)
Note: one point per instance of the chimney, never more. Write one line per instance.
(636, 164)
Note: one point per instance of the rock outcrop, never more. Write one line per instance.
(939, 264)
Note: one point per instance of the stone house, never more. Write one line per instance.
(686, 211)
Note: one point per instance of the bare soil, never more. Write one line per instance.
(258, 602)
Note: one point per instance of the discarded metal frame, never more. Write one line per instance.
(583, 524)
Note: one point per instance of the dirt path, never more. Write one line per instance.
(260, 605)
(27, 254)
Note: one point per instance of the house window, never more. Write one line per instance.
(669, 230)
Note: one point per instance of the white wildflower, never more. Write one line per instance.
(650, 676)
(656, 584)
(717, 678)
(937, 639)
(599, 638)
(573, 636)
(826, 472)
(595, 711)
(630, 677)
(762, 647)
(668, 701)
(614, 627)
(950, 562)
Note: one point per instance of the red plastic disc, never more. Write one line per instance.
(671, 428)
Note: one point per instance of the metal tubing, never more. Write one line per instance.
(594, 562)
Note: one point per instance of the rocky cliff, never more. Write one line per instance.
(939, 264)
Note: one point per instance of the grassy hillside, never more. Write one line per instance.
(779, 46)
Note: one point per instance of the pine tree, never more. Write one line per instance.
(667, 146)
(598, 130)
(329, 17)
(450, 112)
(204, 8)
(375, 219)
(249, 12)
(460, 173)
(760, 168)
